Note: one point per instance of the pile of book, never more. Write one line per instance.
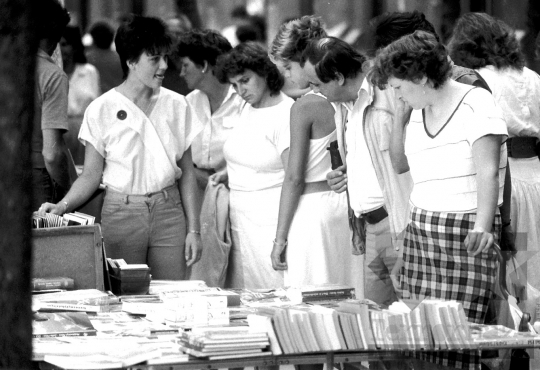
(84, 300)
(362, 325)
(224, 343)
(68, 219)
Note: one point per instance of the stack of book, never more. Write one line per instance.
(187, 310)
(362, 325)
(85, 300)
(68, 219)
(224, 343)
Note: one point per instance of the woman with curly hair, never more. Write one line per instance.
(488, 45)
(454, 150)
(256, 153)
(313, 231)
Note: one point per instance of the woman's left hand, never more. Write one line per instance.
(193, 248)
(478, 240)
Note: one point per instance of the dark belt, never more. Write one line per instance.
(522, 147)
(375, 216)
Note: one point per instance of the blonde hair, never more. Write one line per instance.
(293, 37)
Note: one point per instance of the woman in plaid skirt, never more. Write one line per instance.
(453, 146)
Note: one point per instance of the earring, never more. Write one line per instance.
(424, 89)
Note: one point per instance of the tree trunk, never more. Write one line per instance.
(190, 9)
(17, 67)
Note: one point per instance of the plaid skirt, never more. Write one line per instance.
(436, 265)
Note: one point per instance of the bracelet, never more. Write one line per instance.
(284, 245)
(67, 205)
(505, 224)
(194, 232)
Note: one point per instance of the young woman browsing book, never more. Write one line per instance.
(137, 139)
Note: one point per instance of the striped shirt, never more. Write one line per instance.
(442, 166)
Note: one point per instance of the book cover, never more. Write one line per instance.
(394, 332)
(113, 360)
(435, 323)
(330, 331)
(59, 324)
(453, 340)
(297, 333)
(461, 328)
(499, 336)
(319, 330)
(376, 326)
(426, 329)
(339, 330)
(265, 323)
(346, 327)
(409, 331)
(52, 283)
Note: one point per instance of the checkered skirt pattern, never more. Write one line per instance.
(436, 265)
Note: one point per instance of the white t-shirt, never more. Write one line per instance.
(207, 147)
(141, 153)
(518, 94)
(254, 147)
(442, 165)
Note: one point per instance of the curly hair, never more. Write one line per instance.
(479, 40)
(411, 58)
(330, 56)
(293, 36)
(141, 34)
(249, 56)
(202, 45)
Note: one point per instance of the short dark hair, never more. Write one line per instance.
(72, 35)
(202, 45)
(391, 26)
(102, 35)
(330, 56)
(141, 34)
(250, 56)
(479, 40)
(411, 58)
(51, 18)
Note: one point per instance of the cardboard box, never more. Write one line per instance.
(73, 251)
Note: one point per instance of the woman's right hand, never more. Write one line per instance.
(219, 177)
(279, 261)
(57, 209)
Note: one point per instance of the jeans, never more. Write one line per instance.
(147, 229)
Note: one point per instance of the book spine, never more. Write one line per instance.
(325, 294)
(70, 334)
(506, 343)
(53, 306)
(53, 283)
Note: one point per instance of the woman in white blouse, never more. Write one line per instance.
(137, 138)
(215, 105)
(256, 154)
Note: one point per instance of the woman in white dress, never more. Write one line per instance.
(256, 154)
(137, 138)
(488, 45)
(312, 243)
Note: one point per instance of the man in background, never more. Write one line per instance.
(50, 174)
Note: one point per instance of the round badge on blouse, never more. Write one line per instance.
(121, 114)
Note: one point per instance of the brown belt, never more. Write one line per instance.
(375, 216)
(522, 147)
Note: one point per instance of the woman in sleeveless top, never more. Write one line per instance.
(312, 238)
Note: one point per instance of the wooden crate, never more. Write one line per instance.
(74, 251)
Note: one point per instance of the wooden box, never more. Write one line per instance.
(74, 251)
